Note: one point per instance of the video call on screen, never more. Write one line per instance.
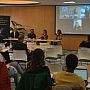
(73, 19)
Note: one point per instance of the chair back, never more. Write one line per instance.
(84, 53)
(50, 52)
(19, 55)
(58, 49)
(53, 51)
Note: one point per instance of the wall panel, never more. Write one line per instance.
(39, 18)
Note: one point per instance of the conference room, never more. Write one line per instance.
(36, 23)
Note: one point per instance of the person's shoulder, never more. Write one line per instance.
(45, 67)
(60, 73)
(79, 78)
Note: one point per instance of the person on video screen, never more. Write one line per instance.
(77, 26)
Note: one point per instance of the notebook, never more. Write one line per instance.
(83, 73)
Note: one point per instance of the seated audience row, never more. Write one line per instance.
(37, 76)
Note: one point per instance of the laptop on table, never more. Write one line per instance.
(83, 73)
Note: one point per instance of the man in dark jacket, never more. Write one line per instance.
(32, 34)
(14, 34)
(19, 45)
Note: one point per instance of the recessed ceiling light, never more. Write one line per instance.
(18, 2)
(69, 2)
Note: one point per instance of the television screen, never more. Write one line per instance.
(73, 19)
(5, 26)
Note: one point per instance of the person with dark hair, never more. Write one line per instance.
(15, 33)
(85, 43)
(58, 35)
(32, 34)
(68, 78)
(19, 45)
(37, 76)
(45, 35)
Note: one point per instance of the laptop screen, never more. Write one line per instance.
(82, 72)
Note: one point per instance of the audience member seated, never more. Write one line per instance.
(12, 69)
(85, 43)
(37, 76)
(4, 77)
(44, 35)
(19, 45)
(68, 78)
(7, 60)
(32, 34)
(14, 34)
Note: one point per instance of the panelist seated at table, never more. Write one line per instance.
(19, 45)
(44, 34)
(85, 43)
(68, 78)
(14, 34)
(32, 34)
(59, 34)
